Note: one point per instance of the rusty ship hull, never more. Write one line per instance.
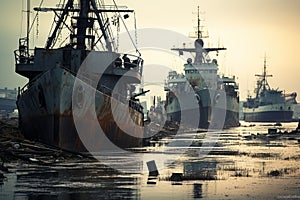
(46, 114)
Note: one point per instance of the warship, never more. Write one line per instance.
(47, 102)
(268, 105)
(8, 99)
(201, 78)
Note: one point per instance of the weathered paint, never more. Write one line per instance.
(206, 98)
(46, 114)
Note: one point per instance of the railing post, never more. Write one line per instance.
(18, 96)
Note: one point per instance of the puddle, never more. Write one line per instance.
(244, 163)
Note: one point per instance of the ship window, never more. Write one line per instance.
(289, 108)
(280, 107)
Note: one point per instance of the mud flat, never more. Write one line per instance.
(244, 163)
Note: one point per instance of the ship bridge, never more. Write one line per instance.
(70, 59)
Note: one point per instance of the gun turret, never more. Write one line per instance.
(133, 97)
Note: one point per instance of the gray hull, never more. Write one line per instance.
(189, 119)
(280, 112)
(229, 116)
(269, 116)
(46, 115)
(7, 105)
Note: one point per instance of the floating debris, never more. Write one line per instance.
(272, 130)
(152, 168)
(274, 173)
(176, 177)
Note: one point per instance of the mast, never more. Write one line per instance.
(263, 84)
(199, 35)
(82, 23)
(103, 30)
(28, 25)
(58, 23)
(199, 48)
(265, 75)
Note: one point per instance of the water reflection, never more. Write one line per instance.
(245, 163)
(197, 190)
(83, 181)
(201, 170)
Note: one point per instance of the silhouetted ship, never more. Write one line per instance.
(7, 101)
(46, 109)
(268, 105)
(201, 79)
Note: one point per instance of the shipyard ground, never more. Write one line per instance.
(247, 162)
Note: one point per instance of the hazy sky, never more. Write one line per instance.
(248, 29)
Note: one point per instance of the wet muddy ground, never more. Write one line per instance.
(244, 163)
